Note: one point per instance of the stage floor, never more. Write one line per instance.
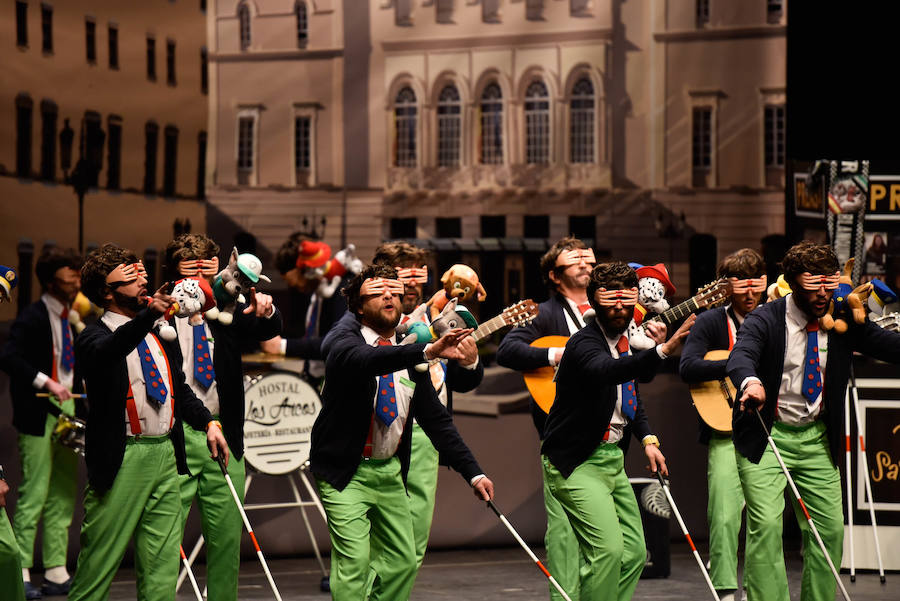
(495, 574)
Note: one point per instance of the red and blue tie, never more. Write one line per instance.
(67, 360)
(629, 399)
(204, 372)
(812, 372)
(386, 402)
(156, 388)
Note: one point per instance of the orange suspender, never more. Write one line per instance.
(130, 406)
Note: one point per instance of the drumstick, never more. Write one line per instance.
(74, 395)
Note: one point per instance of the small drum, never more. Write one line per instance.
(69, 432)
(280, 409)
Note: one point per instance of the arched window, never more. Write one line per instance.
(491, 125)
(302, 24)
(405, 111)
(449, 122)
(581, 122)
(537, 123)
(244, 24)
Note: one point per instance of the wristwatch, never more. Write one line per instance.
(650, 439)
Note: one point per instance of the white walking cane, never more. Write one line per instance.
(809, 519)
(187, 566)
(240, 507)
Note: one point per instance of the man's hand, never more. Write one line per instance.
(58, 390)
(271, 346)
(558, 354)
(469, 348)
(446, 347)
(4, 488)
(657, 459)
(657, 331)
(260, 303)
(754, 397)
(671, 346)
(484, 489)
(160, 301)
(215, 440)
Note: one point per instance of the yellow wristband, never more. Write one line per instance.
(650, 439)
(214, 422)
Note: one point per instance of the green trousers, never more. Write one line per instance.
(144, 503)
(805, 452)
(599, 501)
(370, 518)
(723, 512)
(11, 588)
(220, 520)
(563, 555)
(421, 484)
(48, 489)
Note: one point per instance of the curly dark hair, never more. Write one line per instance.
(187, 247)
(52, 259)
(351, 290)
(742, 264)
(286, 257)
(612, 276)
(548, 261)
(811, 257)
(400, 254)
(98, 265)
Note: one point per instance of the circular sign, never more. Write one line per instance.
(280, 409)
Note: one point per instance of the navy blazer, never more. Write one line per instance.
(29, 350)
(229, 369)
(586, 398)
(340, 431)
(101, 353)
(515, 350)
(709, 332)
(332, 310)
(759, 351)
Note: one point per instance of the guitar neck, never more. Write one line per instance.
(489, 327)
(676, 313)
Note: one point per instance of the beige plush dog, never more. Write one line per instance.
(460, 282)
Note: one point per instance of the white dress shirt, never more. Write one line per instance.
(793, 408)
(209, 396)
(66, 378)
(572, 325)
(386, 439)
(155, 419)
(617, 422)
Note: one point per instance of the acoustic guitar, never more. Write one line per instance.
(541, 382)
(714, 400)
(890, 322)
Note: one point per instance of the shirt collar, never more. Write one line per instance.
(795, 314)
(113, 320)
(371, 336)
(54, 307)
(732, 313)
(611, 341)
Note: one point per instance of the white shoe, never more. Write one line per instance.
(728, 597)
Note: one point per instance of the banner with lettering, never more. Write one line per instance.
(881, 426)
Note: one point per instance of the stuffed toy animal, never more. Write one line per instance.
(777, 289)
(847, 302)
(451, 316)
(243, 272)
(193, 297)
(881, 295)
(344, 261)
(460, 282)
(8, 281)
(653, 287)
(81, 309)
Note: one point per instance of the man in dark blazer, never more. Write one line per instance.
(39, 358)
(778, 365)
(204, 343)
(597, 409)
(360, 449)
(134, 447)
(566, 269)
(447, 377)
(714, 330)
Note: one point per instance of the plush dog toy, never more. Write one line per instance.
(460, 282)
(193, 297)
(8, 281)
(653, 287)
(847, 302)
(242, 273)
(451, 316)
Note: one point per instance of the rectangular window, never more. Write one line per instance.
(583, 227)
(151, 141)
(204, 71)
(302, 144)
(170, 62)
(534, 10)
(245, 150)
(170, 160)
(22, 24)
(490, 11)
(444, 11)
(536, 226)
(48, 140)
(201, 165)
(702, 14)
(403, 227)
(151, 59)
(403, 12)
(493, 226)
(203, 6)
(46, 28)
(24, 107)
(114, 153)
(701, 155)
(773, 11)
(113, 32)
(448, 227)
(773, 120)
(90, 40)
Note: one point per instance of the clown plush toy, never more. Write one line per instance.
(653, 287)
(8, 281)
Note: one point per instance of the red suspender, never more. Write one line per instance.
(169, 372)
(130, 407)
(730, 335)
